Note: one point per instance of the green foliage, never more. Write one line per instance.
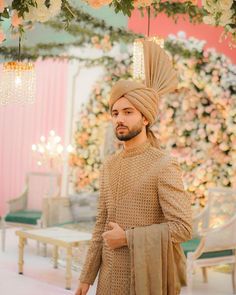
(22, 6)
(77, 19)
(175, 9)
(4, 14)
(123, 5)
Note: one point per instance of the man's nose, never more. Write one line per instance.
(120, 118)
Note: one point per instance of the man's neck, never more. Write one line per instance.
(136, 141)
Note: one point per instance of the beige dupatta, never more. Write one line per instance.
(157, 265)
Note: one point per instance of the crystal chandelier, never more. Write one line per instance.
(50, 152)
(18, 82)
(138, 57)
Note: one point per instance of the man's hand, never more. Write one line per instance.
(114, 238)
(82, 289)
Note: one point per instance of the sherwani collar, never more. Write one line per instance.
(135, 151)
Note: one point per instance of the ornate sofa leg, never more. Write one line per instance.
(204, 273)
(234, 274)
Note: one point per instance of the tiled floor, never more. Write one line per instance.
(40, 277)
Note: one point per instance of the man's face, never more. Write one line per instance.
(127, 121)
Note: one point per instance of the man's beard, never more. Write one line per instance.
(131, 134)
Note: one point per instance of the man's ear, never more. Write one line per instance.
(145, 121)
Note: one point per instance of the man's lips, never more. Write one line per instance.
(121, 128)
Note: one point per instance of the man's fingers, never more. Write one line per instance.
(112, 224)
(105, 234)
(82, 289)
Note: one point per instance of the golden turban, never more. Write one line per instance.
(160, 78)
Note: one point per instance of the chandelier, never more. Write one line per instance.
(50, 152)
(18, 82)
(138, 57)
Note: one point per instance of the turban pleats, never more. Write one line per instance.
(160, 78)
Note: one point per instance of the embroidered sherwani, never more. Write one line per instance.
(138, 187)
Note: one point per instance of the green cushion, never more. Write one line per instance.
(24, 216)
(191, 246)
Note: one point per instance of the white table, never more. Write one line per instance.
(58, 237)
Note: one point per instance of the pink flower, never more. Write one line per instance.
(16, 20)
(107, 38)
(95, 39)
(2, 36)
(2, 5)
(215, 79)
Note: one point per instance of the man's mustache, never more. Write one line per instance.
(123, 126)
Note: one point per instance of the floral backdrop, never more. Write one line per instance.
(24, 14)
(92, 125)
(197, 123)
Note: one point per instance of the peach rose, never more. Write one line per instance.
(98, 3)
(2, 5)
(16, 20)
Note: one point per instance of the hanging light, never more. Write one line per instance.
(138, 57)
(50, 152)
(18, 82)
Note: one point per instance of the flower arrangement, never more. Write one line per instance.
(197, 123)
(103, 43)
(213, 12)
(42, 11)
(221, 13)
(22, 13)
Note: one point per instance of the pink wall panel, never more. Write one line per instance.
(22, 125)
(163, 26)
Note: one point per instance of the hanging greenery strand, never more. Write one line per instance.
(82, 27)
(32, 54)
(175, 9)
(44, 51)
(216, 13)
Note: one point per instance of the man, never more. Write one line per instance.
(144, 212)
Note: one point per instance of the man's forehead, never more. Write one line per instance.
(121, 104)
(123, 108)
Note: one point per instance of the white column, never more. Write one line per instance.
(73, 71)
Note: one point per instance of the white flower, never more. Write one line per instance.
(41, 13)
(225, 4)
(181, 35)
(210, 5)
(225, 17)
(209, 20)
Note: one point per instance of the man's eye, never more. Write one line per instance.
(114, 114)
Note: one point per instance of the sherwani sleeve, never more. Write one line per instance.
(94, 254)
(175, 201)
